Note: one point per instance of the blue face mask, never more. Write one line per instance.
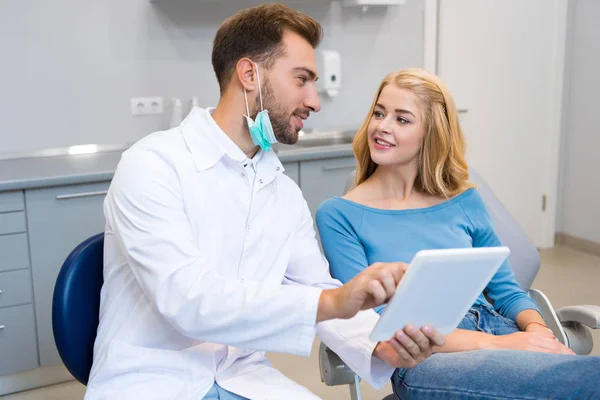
(261, 130)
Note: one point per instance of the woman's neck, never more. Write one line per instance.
(392, 188)
(395, 183)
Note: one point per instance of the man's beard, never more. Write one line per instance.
(280, 118)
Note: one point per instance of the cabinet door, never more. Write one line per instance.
(17, 340)
(58, 220)
(323, 179)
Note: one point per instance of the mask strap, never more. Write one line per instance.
(259, 87)
(246, 98)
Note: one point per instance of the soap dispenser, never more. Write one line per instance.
(329, 66)
(176, 116)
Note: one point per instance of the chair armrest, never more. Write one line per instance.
(566, 325)
(549, 316)
(333, 370)
(586, 315)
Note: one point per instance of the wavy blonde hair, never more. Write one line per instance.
(443, 170)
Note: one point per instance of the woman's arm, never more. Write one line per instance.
(338, 232)
(338, 229)
(465, 340)
(507, 296)
(532, 321)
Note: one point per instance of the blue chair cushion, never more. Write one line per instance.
(76, 305)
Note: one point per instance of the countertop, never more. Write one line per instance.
(38, 172)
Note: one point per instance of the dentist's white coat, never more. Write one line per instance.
(208, 264)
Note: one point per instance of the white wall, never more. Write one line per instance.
(69, 67)
(579, 188)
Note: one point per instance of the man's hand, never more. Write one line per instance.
(372, 287)
(531, 341)
(409, 346)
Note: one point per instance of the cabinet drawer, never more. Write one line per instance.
(14, 252)
(15, 288)
(12, 222)
(11, 201)
(18, 348)
(58, 219)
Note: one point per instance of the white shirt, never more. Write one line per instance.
(207, 265)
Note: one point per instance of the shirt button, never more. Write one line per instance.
(277, 169)
(242, 280)
(260, 181)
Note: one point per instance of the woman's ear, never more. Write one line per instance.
(245, 71)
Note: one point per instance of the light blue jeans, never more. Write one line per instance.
(499, 374)
(218, 393)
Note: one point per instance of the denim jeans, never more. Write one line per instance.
(218, 393)
(498, 374)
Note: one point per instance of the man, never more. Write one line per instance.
(210, 253)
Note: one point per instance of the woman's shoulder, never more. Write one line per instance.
(337, 208)
(335, 205)
(471, 199)
(475, 208)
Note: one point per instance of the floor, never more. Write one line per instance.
(567, 277)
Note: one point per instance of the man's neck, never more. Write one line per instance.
(229, 116)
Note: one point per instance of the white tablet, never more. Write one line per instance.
(438, 289)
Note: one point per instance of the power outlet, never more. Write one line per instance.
(146, 105)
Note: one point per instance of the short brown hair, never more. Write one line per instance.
(256, 33)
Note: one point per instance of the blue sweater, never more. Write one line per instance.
(355, 236)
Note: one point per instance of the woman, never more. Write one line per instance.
(412, 193)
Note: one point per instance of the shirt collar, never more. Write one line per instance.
(208, 144)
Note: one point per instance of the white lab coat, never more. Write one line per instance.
(210, 261)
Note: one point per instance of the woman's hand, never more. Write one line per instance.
(530, 341)
(409, 346)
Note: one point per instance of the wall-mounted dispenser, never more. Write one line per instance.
(329, 66)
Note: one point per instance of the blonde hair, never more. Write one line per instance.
(443, 170)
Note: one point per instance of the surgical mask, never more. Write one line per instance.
(261, 130)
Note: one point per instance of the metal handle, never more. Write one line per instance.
(339, 167)
(83, 194)
(462, 110)
(0, 291)
(1, 327)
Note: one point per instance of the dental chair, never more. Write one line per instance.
(569, 324)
